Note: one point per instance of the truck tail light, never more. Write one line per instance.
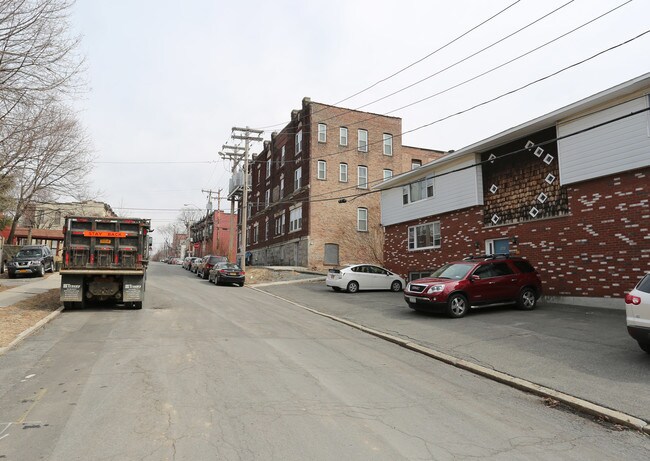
(92, 258)
(67, 258)
(631, 299)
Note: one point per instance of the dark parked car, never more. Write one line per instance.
(207, 263)
(476, 281)
(31, 260)
(225, 272)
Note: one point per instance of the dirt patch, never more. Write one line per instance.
(262, 275)
(19, 317)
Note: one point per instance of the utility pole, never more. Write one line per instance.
(246, 135)
(235, 155)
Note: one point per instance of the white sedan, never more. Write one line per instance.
(363, 277)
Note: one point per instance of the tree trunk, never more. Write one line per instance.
(12, 232)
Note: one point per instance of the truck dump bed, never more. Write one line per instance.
(105, 244)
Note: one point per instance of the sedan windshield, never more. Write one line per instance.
(452, 271)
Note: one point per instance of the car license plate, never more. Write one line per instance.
(233, 273)
(412, 299)
(104, 240)
(22, 271)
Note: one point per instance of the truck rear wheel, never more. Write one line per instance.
(136, 305)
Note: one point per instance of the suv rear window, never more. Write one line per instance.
(644, 284)
(523, 266)
(217, 259)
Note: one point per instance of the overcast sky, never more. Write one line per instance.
(168, 79)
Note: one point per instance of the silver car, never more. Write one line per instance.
(637, 309)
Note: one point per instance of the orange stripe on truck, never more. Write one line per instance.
(104, 234)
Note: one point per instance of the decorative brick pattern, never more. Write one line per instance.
(599, 249)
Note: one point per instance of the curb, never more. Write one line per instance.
(576, 403)
(286, 282)
(31, 330)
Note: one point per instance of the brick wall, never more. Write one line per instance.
(600, 249)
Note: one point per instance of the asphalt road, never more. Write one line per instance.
(584, 352)
(205, 372)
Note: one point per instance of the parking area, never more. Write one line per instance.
(585, 352)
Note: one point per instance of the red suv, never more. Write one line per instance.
(476, 281)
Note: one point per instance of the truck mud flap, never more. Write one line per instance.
(72, 288)
(133, 289)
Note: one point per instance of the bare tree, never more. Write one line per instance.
(37, 55)
(53, 159)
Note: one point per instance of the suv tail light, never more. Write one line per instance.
(631, 299)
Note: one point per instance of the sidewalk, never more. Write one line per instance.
(13, 295)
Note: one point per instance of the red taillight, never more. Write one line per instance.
(631, 299)
(243, 273)
(222, 271)
(92, 259)
(208, 266)
(67, 258)
(116, 258)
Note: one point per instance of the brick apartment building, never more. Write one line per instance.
(307, 202)
(211, 235)
(569, 190)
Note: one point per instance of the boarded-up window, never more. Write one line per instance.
(331, 257)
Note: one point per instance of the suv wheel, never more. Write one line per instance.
(41, 271)
(457, 306)
(645, 347)
(527, 300)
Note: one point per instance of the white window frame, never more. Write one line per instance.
(267, 198)
(256, 232)
(297, 178)
(387, 174)
(343, 172)
(362, 144)
(388, 144)
(322, 132)
(425, 187)
(362, 223)
(282, 152)
(298, 142)
(343, 136)
(415, 164)
(282, 187)
(412, 236)
(295, 219)
(269, 162)
(362, 185)
(322, 170)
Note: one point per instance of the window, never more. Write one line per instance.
(388, 144)
(295, 219)
(362, 182)
(267, 199)
(279, 224)
(418, 190)
(57, 218)
(297, 176)
(282, 186)
(343, 136)
(415, 164)
(282, 152)
(424, 236)
(362, 219)
(298, 142)
(343, 172)
(268, 167)
(322, 132)
(256, 232)
(362, 145)
(266, 229)
(322, 169)
(388, 174)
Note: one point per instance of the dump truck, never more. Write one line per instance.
(104, 261)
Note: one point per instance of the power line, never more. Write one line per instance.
(502, 95)
(374, 116)
(485, 21)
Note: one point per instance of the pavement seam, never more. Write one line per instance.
(577, 403)
(28, 332)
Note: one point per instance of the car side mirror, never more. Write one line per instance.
(475, 277)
